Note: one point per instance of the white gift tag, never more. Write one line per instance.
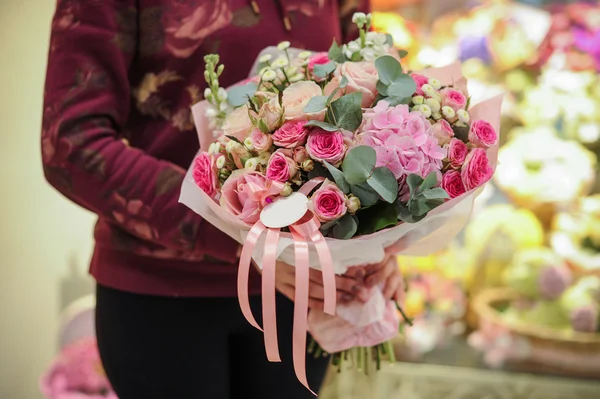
(284, 211)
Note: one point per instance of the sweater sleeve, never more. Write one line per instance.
(86, 105)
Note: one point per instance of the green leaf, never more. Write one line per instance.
(393, 101)
(332, 95)
(419, 207)
(382, 180)
(468, 103)
(346, 228)
(403, 86)
(233, 138)
(347, 112)
(367, 196)
(429, 182)
(262, 126)
(338, 176)
(343, 82)
(335, 53)
(239, 95)
(389, 69)
(377, 218)
(413, 181)
(323, 125)
(405, 215)
(316, 104)
(382, 88)
(356, 57)
(402, 53)
(322, 70)
(389, 40)
(461, 133)
(319, 171)
(359, 164)
(329, 225)
(435, 193)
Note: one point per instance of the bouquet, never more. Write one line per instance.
(340, 157)
(77, 373)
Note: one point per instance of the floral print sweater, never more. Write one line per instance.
(118, 134)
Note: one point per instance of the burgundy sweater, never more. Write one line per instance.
(118, 135)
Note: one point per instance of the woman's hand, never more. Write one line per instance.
(389, 274)
(349, 286)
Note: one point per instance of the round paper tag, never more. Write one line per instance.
(285, 211)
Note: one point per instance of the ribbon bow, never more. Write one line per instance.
(303, 231)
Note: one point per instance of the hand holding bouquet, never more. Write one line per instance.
(324, 152)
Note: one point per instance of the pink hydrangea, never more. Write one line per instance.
(404, 141)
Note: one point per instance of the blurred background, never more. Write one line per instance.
(510, 310)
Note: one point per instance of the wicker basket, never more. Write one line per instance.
(566, 352)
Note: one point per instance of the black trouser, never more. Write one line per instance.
(196, 348)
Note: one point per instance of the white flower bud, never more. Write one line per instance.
(428, 90)
(249, 143)
(448, 112)
(231, 145)
(418, 100)
(210, 112)
(265, 58)
(296, 78)
(223, 106)
(463, 116)
(280, 62)
(291, 71)
(353, 47)
(221, 162)
(435, 83)
(437, 116)
(222, 94)
(218, 147)
(424, 109)
(211, 149)
(359, 17)
(269, 75)
(251, 164)
(283, 46)
(308, 165)
(263, 158)
(287, 190)
(353, 204)
(207, 92)
(433, 104)
(304, 55)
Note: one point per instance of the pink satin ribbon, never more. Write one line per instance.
(303, 231)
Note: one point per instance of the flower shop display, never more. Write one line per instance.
(77, 373)
(336, 150)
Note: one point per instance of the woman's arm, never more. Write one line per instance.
(87, 103)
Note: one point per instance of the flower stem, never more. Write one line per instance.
(390, 349)
(406, 319)
(377, 357)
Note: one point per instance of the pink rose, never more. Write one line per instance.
(326, 146)
(188, 23)
(331, 86)
(290, 135)
(477, 169)
(296, 97)
(453, 98)
(244, 194)
(328, 202)
(420, 80)
(443, 132)
(452, 184)
(270, 111)
(457, 152)
(482, 134)
(261, 142)
(317, 59)
(281, 166)
(205, 174)
(300, 154)
(362, 78)
(238, 123)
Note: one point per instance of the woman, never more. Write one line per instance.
(117, 138)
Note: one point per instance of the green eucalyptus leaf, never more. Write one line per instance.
(346, 111)
(316, 104)
(322, 70)
(402, 86)
(389, 40)
(338, 176)
(393, 101)
(377, 217)
(405, 215)
(329, 225)
(358, 164)
(367, 196)
(343, 82)
(429, 182)
(402, 53)
(323, 125)
(382, 88)
(435, 193)
(420, 207)
(335, 53)
(388, 68)
(239, 95)
(413, 181)
(319, 171)
(332, 95)
(346, 228)
(382, 180)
